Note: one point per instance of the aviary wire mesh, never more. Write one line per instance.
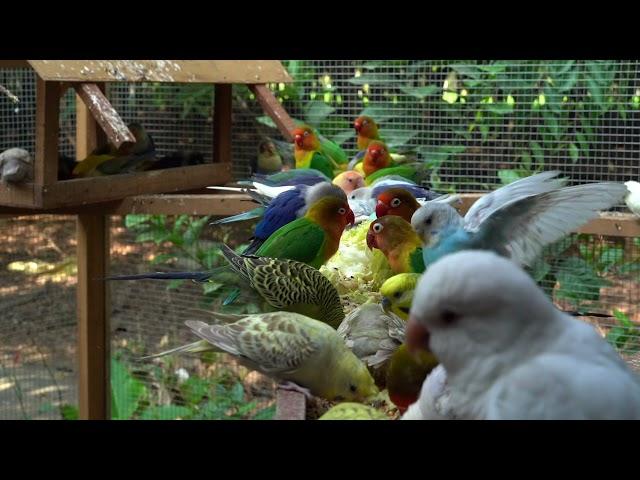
(478, 125)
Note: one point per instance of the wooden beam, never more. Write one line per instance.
(47, 127)
(88, 134)
(107, 117)
(275, 110)
(14, 64)
(93, 317)
(222, 124)
(290, 405)
(83, 191)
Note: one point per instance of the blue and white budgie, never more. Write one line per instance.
(516, 221)
(508, 352)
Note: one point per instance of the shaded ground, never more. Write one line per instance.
(38, 322)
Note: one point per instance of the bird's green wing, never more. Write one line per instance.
(416, 261)
(332, 150)
(275, 342)
(301, 240)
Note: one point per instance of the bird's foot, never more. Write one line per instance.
(294, 387)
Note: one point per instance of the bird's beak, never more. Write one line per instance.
(299, 140)
(382, 209)
(386, 304)
(371, 240)
(416, 336)
(351, 218)
(374, 154)
(358, 126)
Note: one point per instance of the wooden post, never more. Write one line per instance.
(93, 316)
(47, 127)
(222, 124)
(275, 110)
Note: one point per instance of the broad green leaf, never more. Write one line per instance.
(498, 108)
(526, 160)
(375, 79)
(596, 93)
(266, 120)
(420, 92)
(494, 68)
(316, 111)
(166, 412)
(538, 154)
(574, 153)
(398, 138)
(211, 286)
(383, 111)
(623, 319)
(70, 412)
(508, 176)
(126, 391)
(134, 220)
(467, 70)
(342, 136)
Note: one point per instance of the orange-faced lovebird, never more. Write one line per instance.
(399, 243)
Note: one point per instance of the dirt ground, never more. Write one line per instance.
(38, 322)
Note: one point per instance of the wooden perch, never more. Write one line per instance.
(274, 109)
(107, 117)
(290, 405)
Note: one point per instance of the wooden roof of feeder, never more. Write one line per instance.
(170, 71)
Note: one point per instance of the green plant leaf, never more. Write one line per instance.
(374, 79)
(574, 152)
(266, 120)
(498, 108)
(420, 92)
(133, 220)
(70, 412)
(266, 413)
(166, 412)
(538, 153)
(316, 111)
(508, 176)
(467, 70)
(126, 391)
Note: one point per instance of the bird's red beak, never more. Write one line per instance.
(416, 336)
(371, 240)
(374, 154)
(358, 126)
(299, 139)
(382, 209)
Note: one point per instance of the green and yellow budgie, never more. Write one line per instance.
(397, 293)
(290, 348)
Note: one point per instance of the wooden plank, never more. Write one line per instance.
(93, 317)
(107, 117)
(83, 191)
(14, 64)
(179, 71)
(88, 134)
(222, 124)
(22, 195)
(290, 405)
(275, 110)
(47, 127)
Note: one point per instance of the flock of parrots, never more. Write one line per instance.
(307, 342)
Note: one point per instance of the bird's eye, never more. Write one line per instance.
(353, 197)
(350, 180)
(396, 202)
(342, 210)
(448, 317)
(397, 295)
(377, 227)
(428, 221)
(353, 388)
(306, 134)
(365, 122)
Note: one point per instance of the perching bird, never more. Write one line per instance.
(372, 334)
(378, 163)
(397, 293)
(367, 131)
(517, 227)
(311, 239)
(289, 285)
(508, 352)
(269, 160)
(399, 243)
(310, 152)
(288, 347)
(353, 411)
(16, 166)
(396, 201)
(349, 181)
(289, 178)
(284, 209)
(633, 196)
(107, 160)
(405, 375)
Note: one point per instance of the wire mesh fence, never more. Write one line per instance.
(477, 124)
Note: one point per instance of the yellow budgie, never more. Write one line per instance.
(397, 293)
(303, 353)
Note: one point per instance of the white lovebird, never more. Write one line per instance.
(508, 352)
(633, 197)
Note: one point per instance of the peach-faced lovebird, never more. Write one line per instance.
(367, 130)
(349, 181)
(377, 163)
(516, 221)
(399, 243)
(396, 201)
(310, 152)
